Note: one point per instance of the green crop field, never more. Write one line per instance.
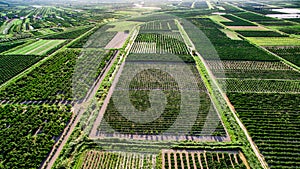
(40, 47)
(196, 84)
(285, 41)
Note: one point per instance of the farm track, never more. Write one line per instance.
(214, 81)
(79, 110)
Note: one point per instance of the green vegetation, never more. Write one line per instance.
(28, 133)
(262, 86)
(253, 70)
(261, 34)
(235, 21)
(69, 35)
(276, 41)
(261, 19)
(227, 49)
(272, 121)
(291, 54)
(52, 81)
(203, 159)
(152, 103)
(40, 47)
(9, 45)
(11, 65)
(116, 160)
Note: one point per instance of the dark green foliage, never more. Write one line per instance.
(273, 122)
(291, 29)
(28, 133)
(9, 45)
(292, 54)
(236, 21)
(261, 34)
(228, 49)
(11, 65)
(52, 80)
(68, 35)
(264, 20)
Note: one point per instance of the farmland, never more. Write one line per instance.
(265, 123)
(40, 47)
(153, 84)
(277, 41)
(289, 53)
(11, 65)
(201, 159)
(29, 132)
(169, 45)
(98, 159)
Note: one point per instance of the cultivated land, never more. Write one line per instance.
(189, 84)
(40, 47)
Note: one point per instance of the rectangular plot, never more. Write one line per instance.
(260, 86)
(118, 41)
(276, 41)
(37, 48)
(152, 90)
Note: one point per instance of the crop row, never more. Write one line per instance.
(289, 53)
(163, 43)
(11, 65)
(167, 25)
(273, 122)
(28, 133)
(264, 20)
(170, 94)
(265, 86)
(201, 159)
(154, 57)
(246, 65)
(261, 34)
(212, 43)
(100, 159)
(69, 34)
(9, 45)
(235, 21)
(41, 47)
(252, 70)
(56, 79)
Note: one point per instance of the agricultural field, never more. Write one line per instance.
(52, 81)
(146, 54)
(156, 84)
(275, 41)
(235, 21)
(9, 45)
(40, 47)
(291, 54)
(261, 34)
(253, 70)
(12, 65)
(99, 159)
(272, 120)
(202, 159)
(226, 48)
(28, 133)
(260, 86)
